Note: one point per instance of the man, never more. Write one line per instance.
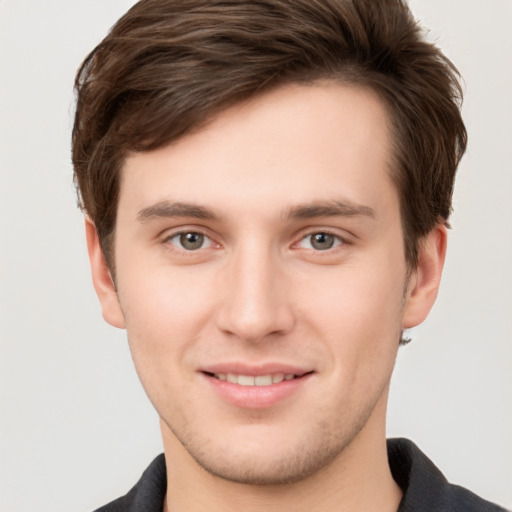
(267, 188)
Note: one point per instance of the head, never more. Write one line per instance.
(267, 206)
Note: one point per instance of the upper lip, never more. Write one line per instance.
(255, 370)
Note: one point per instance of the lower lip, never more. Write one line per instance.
(256, 397)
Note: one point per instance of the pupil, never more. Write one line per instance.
(191, 241)
(322, 241)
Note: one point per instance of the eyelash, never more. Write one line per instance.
(174, 247)
(338, 241)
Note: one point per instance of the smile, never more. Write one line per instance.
(258, 388)
(250, 380)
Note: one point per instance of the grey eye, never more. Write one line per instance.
(190, 241)
(320, 241)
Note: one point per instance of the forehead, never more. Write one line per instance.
(292, 145)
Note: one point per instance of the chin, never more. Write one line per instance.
(271, 471)
(281, 461)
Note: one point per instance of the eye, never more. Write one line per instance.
(190, 241)
(320, 241)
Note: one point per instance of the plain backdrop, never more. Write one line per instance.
(76, 428)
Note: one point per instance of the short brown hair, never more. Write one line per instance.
(168, 66)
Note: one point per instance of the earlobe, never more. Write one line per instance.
(102, 279)
(425, 279)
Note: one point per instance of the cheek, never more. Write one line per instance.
(358, 315)
(359, 325)
(165, 316)
(165, 312)
(348, 299)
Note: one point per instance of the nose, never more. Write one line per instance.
(255, 302)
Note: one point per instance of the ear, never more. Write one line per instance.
(425, 279)
(102, 279)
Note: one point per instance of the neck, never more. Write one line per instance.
(357, 480)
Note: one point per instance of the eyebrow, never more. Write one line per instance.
(329, 209)
(167, 209)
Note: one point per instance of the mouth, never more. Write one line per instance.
(256, 380)
(256, 387)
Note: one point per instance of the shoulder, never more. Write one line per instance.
(424, 486)
(147, 495)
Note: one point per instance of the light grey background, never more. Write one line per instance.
(76, 429)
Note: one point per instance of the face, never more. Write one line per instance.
(261, 276)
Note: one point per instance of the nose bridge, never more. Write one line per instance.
(254, 300)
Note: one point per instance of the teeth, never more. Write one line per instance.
(245, 380)
(249, 380)
(263, 380)
(277, 378)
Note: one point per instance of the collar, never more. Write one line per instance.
(424, 486)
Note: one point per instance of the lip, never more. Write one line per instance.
(256, 397)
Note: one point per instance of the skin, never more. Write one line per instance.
(258, 182)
